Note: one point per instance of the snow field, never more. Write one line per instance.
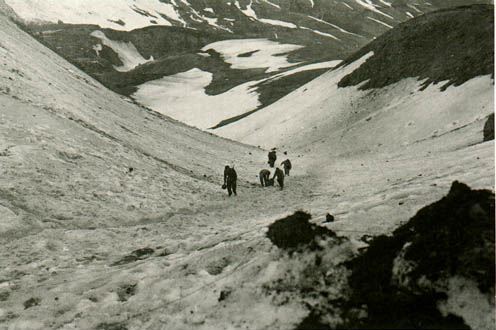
(319, 114)
(182, 96)
(134, 14)
(267, 54)
(126, 51)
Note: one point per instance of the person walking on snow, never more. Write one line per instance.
(272, 157)
(230, 178)
(264, 177)
(279, 176)
(287, 166)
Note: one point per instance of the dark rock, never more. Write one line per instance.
(312, 322)
(451, 237)
(31, 302)
(126, 291)
(112, 326)
(217, 266)
(295, 231)
(489, 128)
(4, 295)
(329, 217)
(224, 294)
(136, 255)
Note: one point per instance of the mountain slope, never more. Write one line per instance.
(92, 148)
(392, 81)
(126, 44)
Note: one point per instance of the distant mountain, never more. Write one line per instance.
(133, 47)
(424, 80)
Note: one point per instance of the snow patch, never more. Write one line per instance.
(248, 11)
(272, 4)
(334, 26)
(466, 300)
(253, 16)
(127, 52)
(97, 48)
(269, 54)
(321, 33)
(370, 6)
(380, 22)
(313, 66)
(347, 5)
(278, 23)
(182, 96)
(134, 13)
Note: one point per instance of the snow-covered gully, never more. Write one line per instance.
(112, 216)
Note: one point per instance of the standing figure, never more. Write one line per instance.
(279, 176)
(265, 180)
(272, 157)
(230, 178)
(287, 166)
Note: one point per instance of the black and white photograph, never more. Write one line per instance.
(247, 164)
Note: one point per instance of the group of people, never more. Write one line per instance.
(267, 177)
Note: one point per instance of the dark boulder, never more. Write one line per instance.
(296, 231)
(489, 128)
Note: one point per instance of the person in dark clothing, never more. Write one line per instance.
(272, 157)
(279, 176)
(264, 177)
(230, 178)
(287, 166)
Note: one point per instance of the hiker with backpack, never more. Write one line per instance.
(230, 178)
(287, 166)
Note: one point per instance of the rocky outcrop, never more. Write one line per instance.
(434, 272)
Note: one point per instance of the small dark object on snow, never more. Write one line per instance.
(130, 169)
(224, 294)
(112, 326)
(329, 217)
(31, 302)
(136, 255)
(126, 291)
(4, 295)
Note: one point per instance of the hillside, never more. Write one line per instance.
(133, 46)
(430, 91)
